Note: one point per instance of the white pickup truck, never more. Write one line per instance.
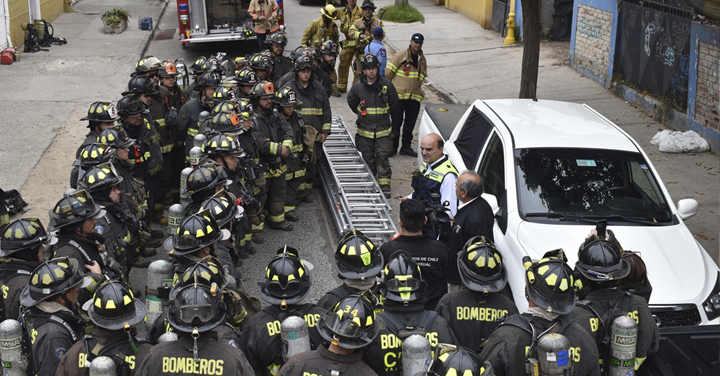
(551, 170)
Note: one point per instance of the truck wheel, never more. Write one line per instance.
(302, 2)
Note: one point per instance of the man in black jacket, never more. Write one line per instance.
(474, 218)
(431, 255)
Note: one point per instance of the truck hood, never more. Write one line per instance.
(675, 265)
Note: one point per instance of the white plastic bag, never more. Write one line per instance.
(680, 142)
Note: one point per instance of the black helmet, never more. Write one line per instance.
(287, 97)
(246, 77)
(168, 69)
(114, 307)
(277, 38)
(223, 107)
(129, 106)
(550, 284)
(206, 177)
(103, 112)
(221, 94)
(454, 361)
(403, 279)
(200, 65)
(262, 89)
(90, 155)
(115, 137)
(357, 257)
(24, 234)
(99, 178)
(72, 209)
(260, 61)
(196, 308)
(368, 4)
(214, 65)
(222, 207)
(208, 79)
(245, 109)
(226, 122)
(369, 61)
(207, 272)
(303, 62)
(140, 85)
(329, 47)
(480, 266)
(601, 261)
(52, 277)
(350, 324)
(196, 232)
(240, 63)
(147, 64)
(297, 52)
(286, 280)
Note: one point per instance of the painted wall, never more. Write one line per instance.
(18, 9)
(479, 11)
(704, 82)
(592, 45)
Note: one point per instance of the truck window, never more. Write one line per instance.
(473, 135)
(492, 168)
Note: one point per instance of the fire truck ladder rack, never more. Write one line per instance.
(354, 196)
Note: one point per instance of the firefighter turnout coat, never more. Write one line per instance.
(407, 74)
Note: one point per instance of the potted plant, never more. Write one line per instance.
(115, 20)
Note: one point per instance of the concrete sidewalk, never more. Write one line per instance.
(467, 62)
(46, 93)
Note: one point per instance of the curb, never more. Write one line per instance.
(151, 35)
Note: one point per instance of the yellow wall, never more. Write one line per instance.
(479, 11)
(50, 10)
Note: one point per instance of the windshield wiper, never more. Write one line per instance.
(625, 218)
(594, 218)
(562, 217)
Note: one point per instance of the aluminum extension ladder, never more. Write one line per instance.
(354, 196)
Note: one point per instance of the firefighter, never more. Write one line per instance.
(23, 243)
(286, 100)
(262, 66)
(322, 75)
(322, 28)
(119, 227)
(100, 116)
(329, 52)
(281, 64)
(194, 313)
(372, 100)
(348, 16)
(50, 316)
(285, 285)
(473, 311)
(265, 16)
(75, 218)
(168, 80)
(173, 161)
(246, 79)
(190, 113)
(196, 238)
(454, 360)
(203, 182)
(359, 263)
(198, 68)
(315, 111)
(600, 268)
(407, 70)
(116, 313)
(551, 297)
(361, 31)
(343, 351)
(91, 155)
(274, 139)
(403, 291)
(223, 208)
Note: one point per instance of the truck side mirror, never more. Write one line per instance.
(687, 208)
(492, 201)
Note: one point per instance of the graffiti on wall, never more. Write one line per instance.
(589, 28)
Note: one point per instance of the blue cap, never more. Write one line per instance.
(377, 32)
(417, 37)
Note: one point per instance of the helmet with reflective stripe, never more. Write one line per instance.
(114, 307)
(103, 112)
(90, 155)
(52, 277)
(99, 178)
(453, 360)
(350, 324)
(24, 234)
(550, 283)
(168, 69)
(370, 61)
(200, 65)
(329, 47)
(196, 232)
(115, 137)
(286, 280)
(600, 260)
(287, 97)
(303, 62)
(357, 257)
(147, 64)
(277, 38)
(403, 279)
(480, 266)
(73, 209)
(196, 307)
(260, 62)
(263, 89)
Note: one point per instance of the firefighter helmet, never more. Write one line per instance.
(208, 79)
(480, 266)
(52, 277)
(214, 65)
(246, 77)
(329, 11)
(369, 61)
(99, 178)
(287, 279)
(24, 234)
(226, 122)
(196, 232)
(222, 207)
(114, 307)
(262, 89)
(455, 360)
(357, 257)
(223, 107)
(168, 69)
(368, 4)
(303, 62)
(260, 61)
(550, 284)
(329, 47)
(403, 279)
(601, 261)
(103, 112)
(222, 144)
(221, 94)
(147, 64)
(287, 97)
(200, 65)
(90, 155)
(297, 52)
(206, 177)
(141, 84)
(130, 106)
(207, 271)
(350, 324)
(196, 307)
(240, 63)
(115, 137)
(277, 38)
(72, 209)
(245, 109)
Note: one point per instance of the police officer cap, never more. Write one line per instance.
(377, 32)
(417, 37)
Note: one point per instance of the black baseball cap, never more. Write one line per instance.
(417, 37)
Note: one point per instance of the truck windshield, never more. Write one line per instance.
(585, 184)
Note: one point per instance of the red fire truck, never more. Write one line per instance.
(204, 21)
